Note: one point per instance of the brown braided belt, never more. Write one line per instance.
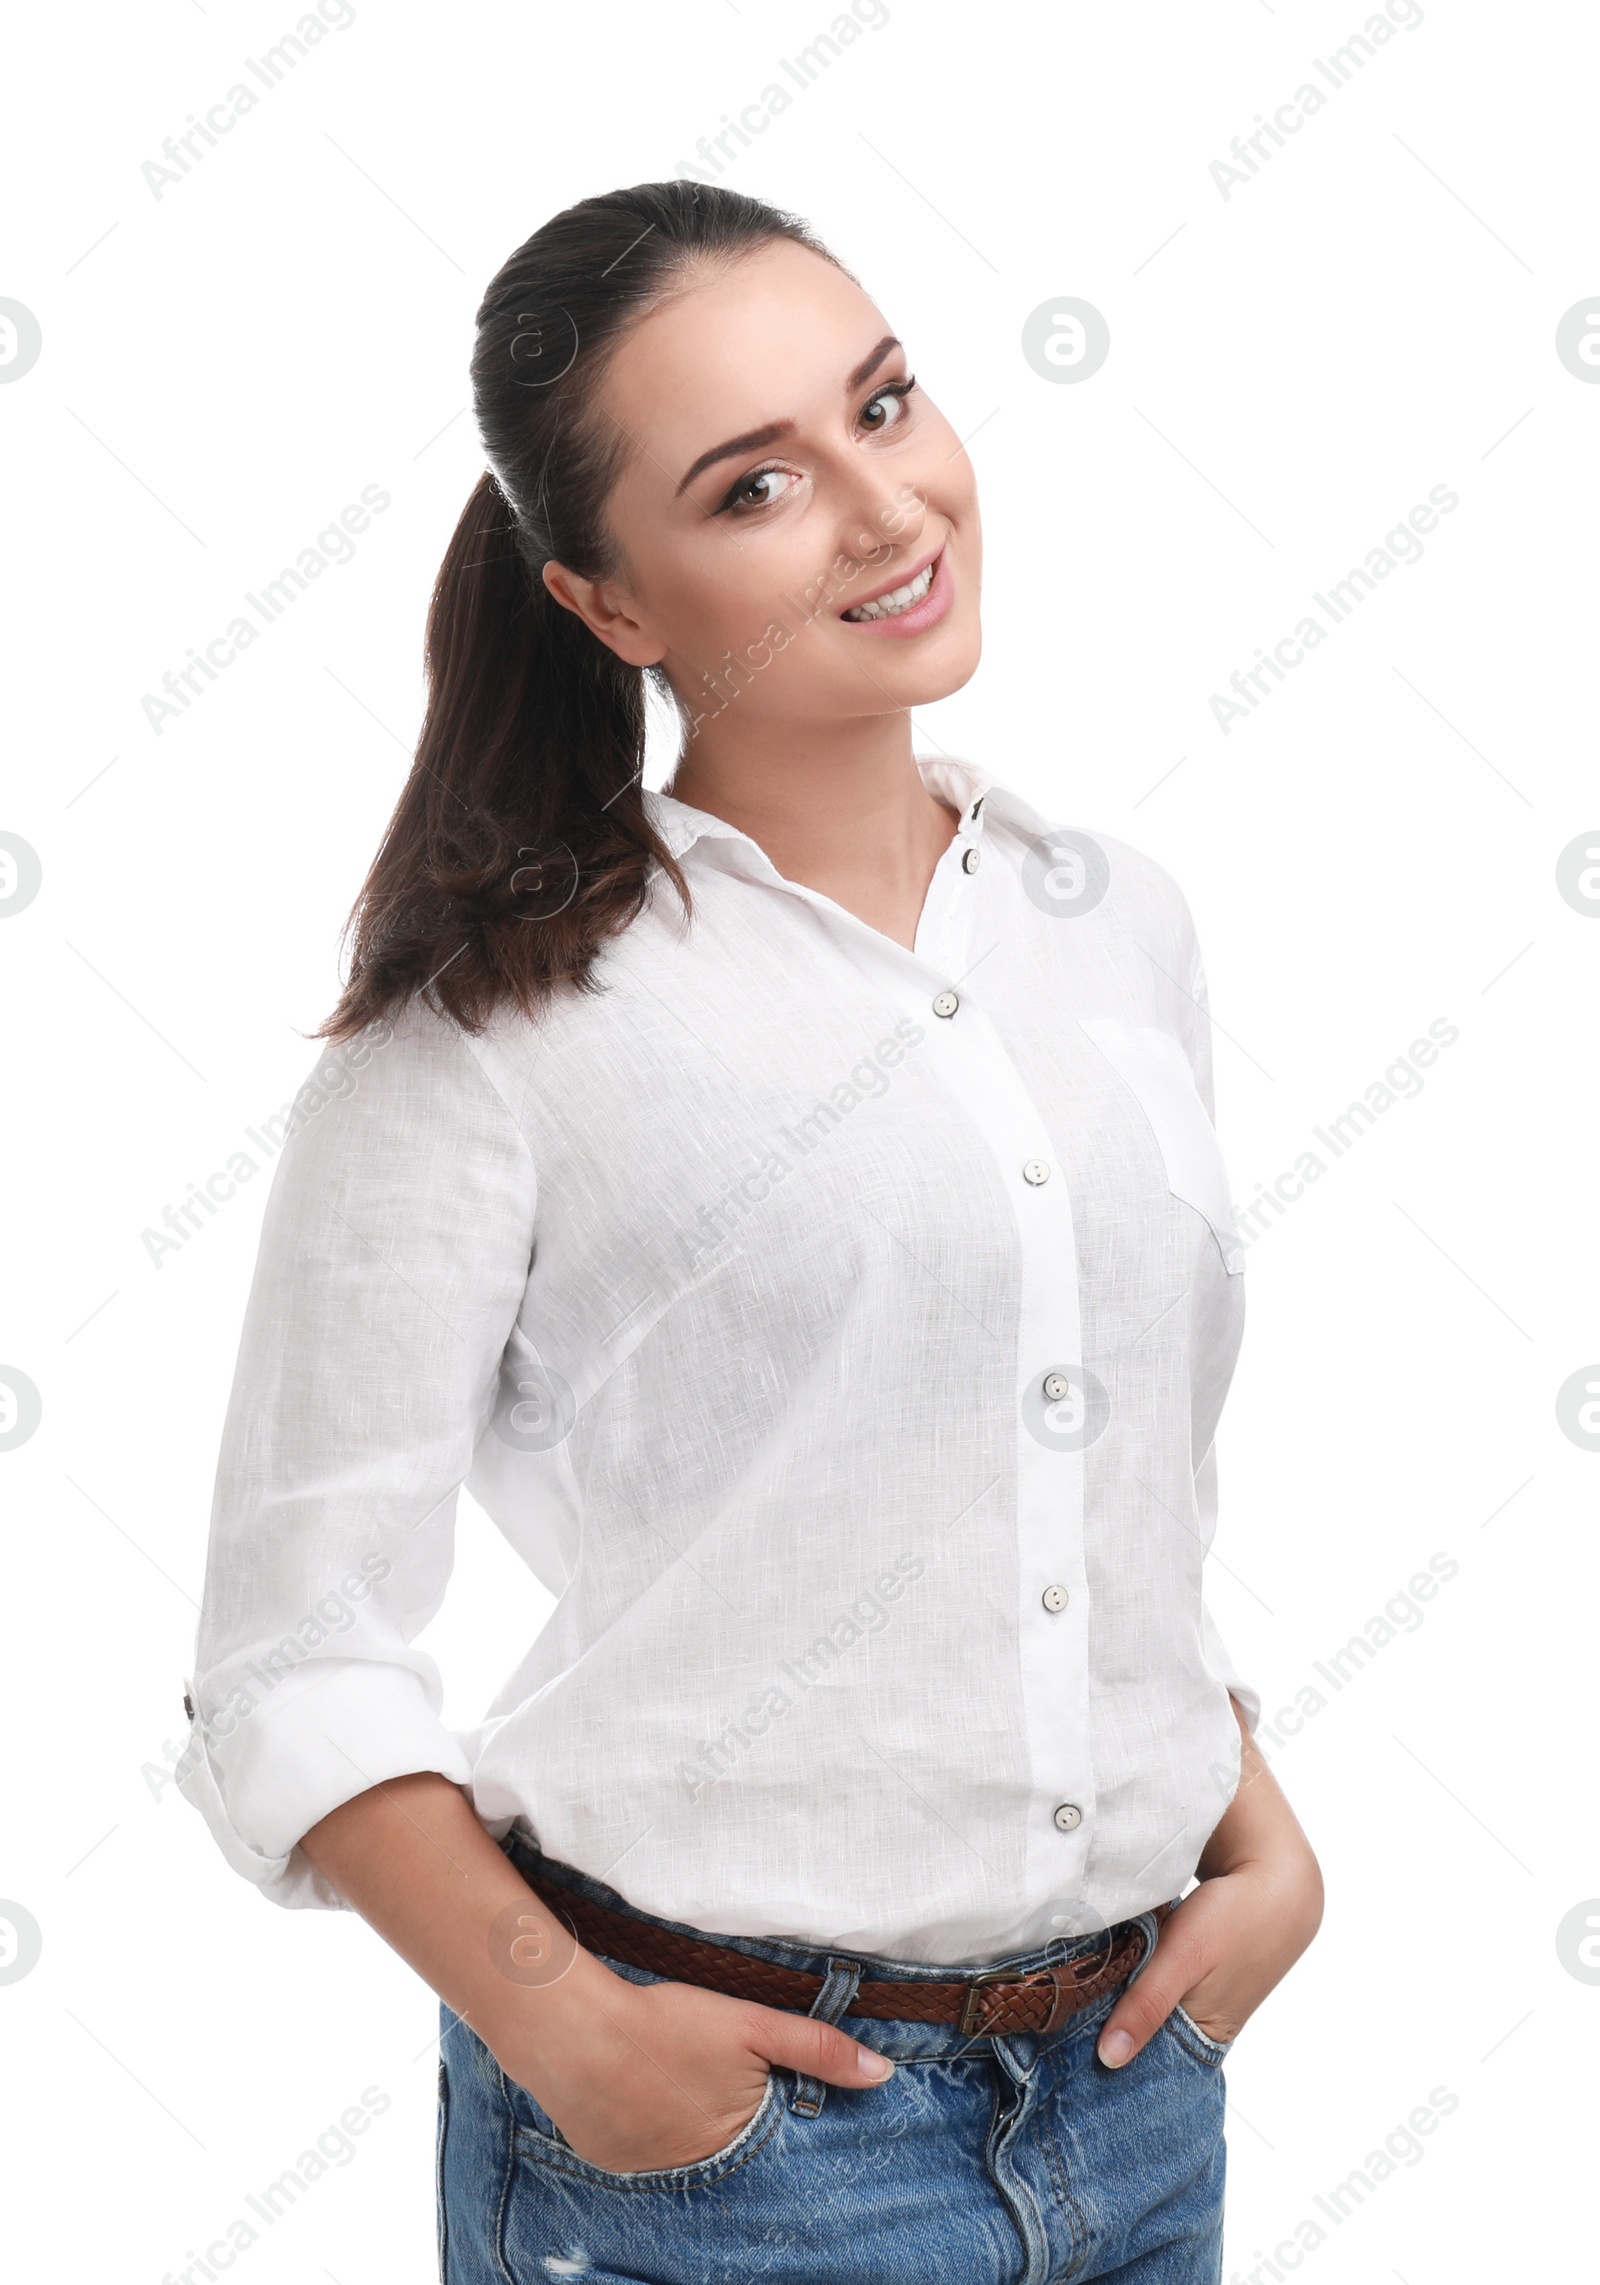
(980, 2006)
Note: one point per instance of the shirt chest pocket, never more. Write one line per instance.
(1152, 1063)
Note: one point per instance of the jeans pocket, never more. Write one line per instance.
(1194, 2041)
(540, 2140)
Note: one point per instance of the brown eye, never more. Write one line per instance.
(753, 492)
(886, 407)
(760, 489)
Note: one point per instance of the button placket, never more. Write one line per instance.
(1053, 1646)
(1053, 1606)
(944, 928)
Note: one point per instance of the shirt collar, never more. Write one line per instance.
(970, 791)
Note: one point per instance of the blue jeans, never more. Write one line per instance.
(1017, 2160)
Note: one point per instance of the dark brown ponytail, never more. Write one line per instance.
(520, 840)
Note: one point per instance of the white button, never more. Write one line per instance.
(945, 1004)
(972, 860)
(1055, 1387)
(1036, 1170)
(1054, 1598)
(1068, 1818)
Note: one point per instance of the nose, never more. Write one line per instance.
(881, 519)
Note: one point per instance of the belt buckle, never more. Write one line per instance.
(1067, 1988)
(971, 2005)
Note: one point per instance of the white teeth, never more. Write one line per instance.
(889, 606)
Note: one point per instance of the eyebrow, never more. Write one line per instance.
(756, 439)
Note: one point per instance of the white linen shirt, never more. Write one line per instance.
(839, 1331)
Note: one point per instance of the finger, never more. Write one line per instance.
(1147, 2002)
(816, 2050)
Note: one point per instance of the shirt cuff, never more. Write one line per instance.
(330, 1731)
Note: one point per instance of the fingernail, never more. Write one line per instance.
(873, 2065)
(1116, 2047)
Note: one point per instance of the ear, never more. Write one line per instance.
(606, 613)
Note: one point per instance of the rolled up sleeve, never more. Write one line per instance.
(394, 1257)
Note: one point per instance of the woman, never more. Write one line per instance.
(790, 1204)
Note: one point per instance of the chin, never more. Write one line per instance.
(939, 677)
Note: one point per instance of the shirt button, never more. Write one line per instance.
(946, 1003)
(1036, 1170)
(1068, 1817)
(1054, 1598)
(971, 861)
(1056, 1387)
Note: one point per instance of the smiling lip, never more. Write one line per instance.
(921, 616)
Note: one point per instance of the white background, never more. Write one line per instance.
(1292, 368)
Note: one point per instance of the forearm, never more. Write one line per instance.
(1257, 1907)
(1258, 1827)
(634, 2077)
(412, 1858)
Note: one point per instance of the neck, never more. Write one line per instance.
(843, 811)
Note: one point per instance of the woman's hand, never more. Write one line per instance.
(665, 2074)
(635, 2076)
(1258, 1905)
